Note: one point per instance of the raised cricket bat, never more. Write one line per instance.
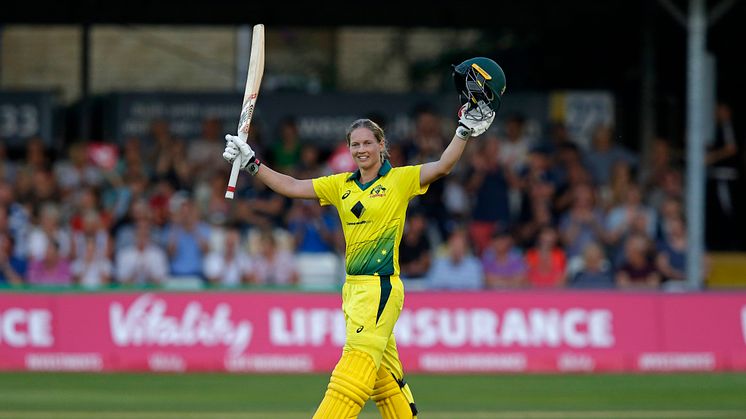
(253, 81)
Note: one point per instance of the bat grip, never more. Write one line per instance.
(234, 178)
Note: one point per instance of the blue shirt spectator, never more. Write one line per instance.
(457, 269)
(594, 270)
(12, 268)
(604, 153)
(187, 241)
(315, 228)
(671, 259)
(582, 223)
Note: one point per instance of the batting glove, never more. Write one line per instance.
(471, 122)
(235, 148)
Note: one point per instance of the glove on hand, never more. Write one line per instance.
(469, 123)
(235, 148)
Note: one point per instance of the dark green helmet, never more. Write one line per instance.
(478, 80)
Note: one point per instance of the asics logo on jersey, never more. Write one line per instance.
(346, 194)
(359, 329)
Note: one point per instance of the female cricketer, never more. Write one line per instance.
(372, 204)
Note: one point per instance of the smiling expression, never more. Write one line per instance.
(365, 148)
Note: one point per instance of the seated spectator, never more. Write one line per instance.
(173, 165)
(92, 229)
(82, 203)
(427, 144)
(669, 211)
(515, 146)
(488, 182)
(48, 229)
(623, 218)
(261, 206)
(133, 160)
(210, 199)
(615, 193)
(415, 248)
(315, 229)
(503, 265)
(671, 259)
(536, 212)
(91, 268)
(15, 220)
(637, 270)
(458, 268)
(272, 266)
(456, 201)
(138, 213)
(77, 171)
(118, 197)
(546, 262)
(143, 262)
(594, 270)
(201, 151)
(538, 168)
(582, 223)
(52, 269)
(187, 239)
(285, 152)
(310, 165)
(229, 266)
(12, 268)
(671, 186)
(660, 160)
(574, 174)
(559, 137)
(605, 152)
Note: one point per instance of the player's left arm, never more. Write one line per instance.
(434, 170)
(469, 125)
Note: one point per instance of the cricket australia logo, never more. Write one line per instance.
(378, 191)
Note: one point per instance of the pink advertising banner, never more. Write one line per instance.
(437, 332)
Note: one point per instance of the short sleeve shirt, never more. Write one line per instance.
(372, 215)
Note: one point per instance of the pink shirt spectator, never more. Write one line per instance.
(512, 265)
(43, 273)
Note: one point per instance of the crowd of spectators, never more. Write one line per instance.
(518, 212)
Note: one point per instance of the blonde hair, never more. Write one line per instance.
(375, 129)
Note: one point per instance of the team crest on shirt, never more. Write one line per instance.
(378, 192)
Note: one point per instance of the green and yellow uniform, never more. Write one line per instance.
(372, 216)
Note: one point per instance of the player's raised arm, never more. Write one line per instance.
(481, 84)
(278, 182)
(469, 126)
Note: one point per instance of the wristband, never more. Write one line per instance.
(463, 132)
(253, 166)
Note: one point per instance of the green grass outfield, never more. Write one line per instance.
(216, 396)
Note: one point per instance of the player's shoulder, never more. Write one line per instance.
(336, 177)
(408, 170)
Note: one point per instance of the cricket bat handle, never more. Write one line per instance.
(234, 178)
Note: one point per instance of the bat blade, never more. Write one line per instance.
(251, 93)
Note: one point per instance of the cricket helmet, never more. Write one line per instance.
(480, 79)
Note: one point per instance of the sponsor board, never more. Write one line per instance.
(436, 332)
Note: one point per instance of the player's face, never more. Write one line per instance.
(365, 148)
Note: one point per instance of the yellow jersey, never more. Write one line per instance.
(372, 215)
